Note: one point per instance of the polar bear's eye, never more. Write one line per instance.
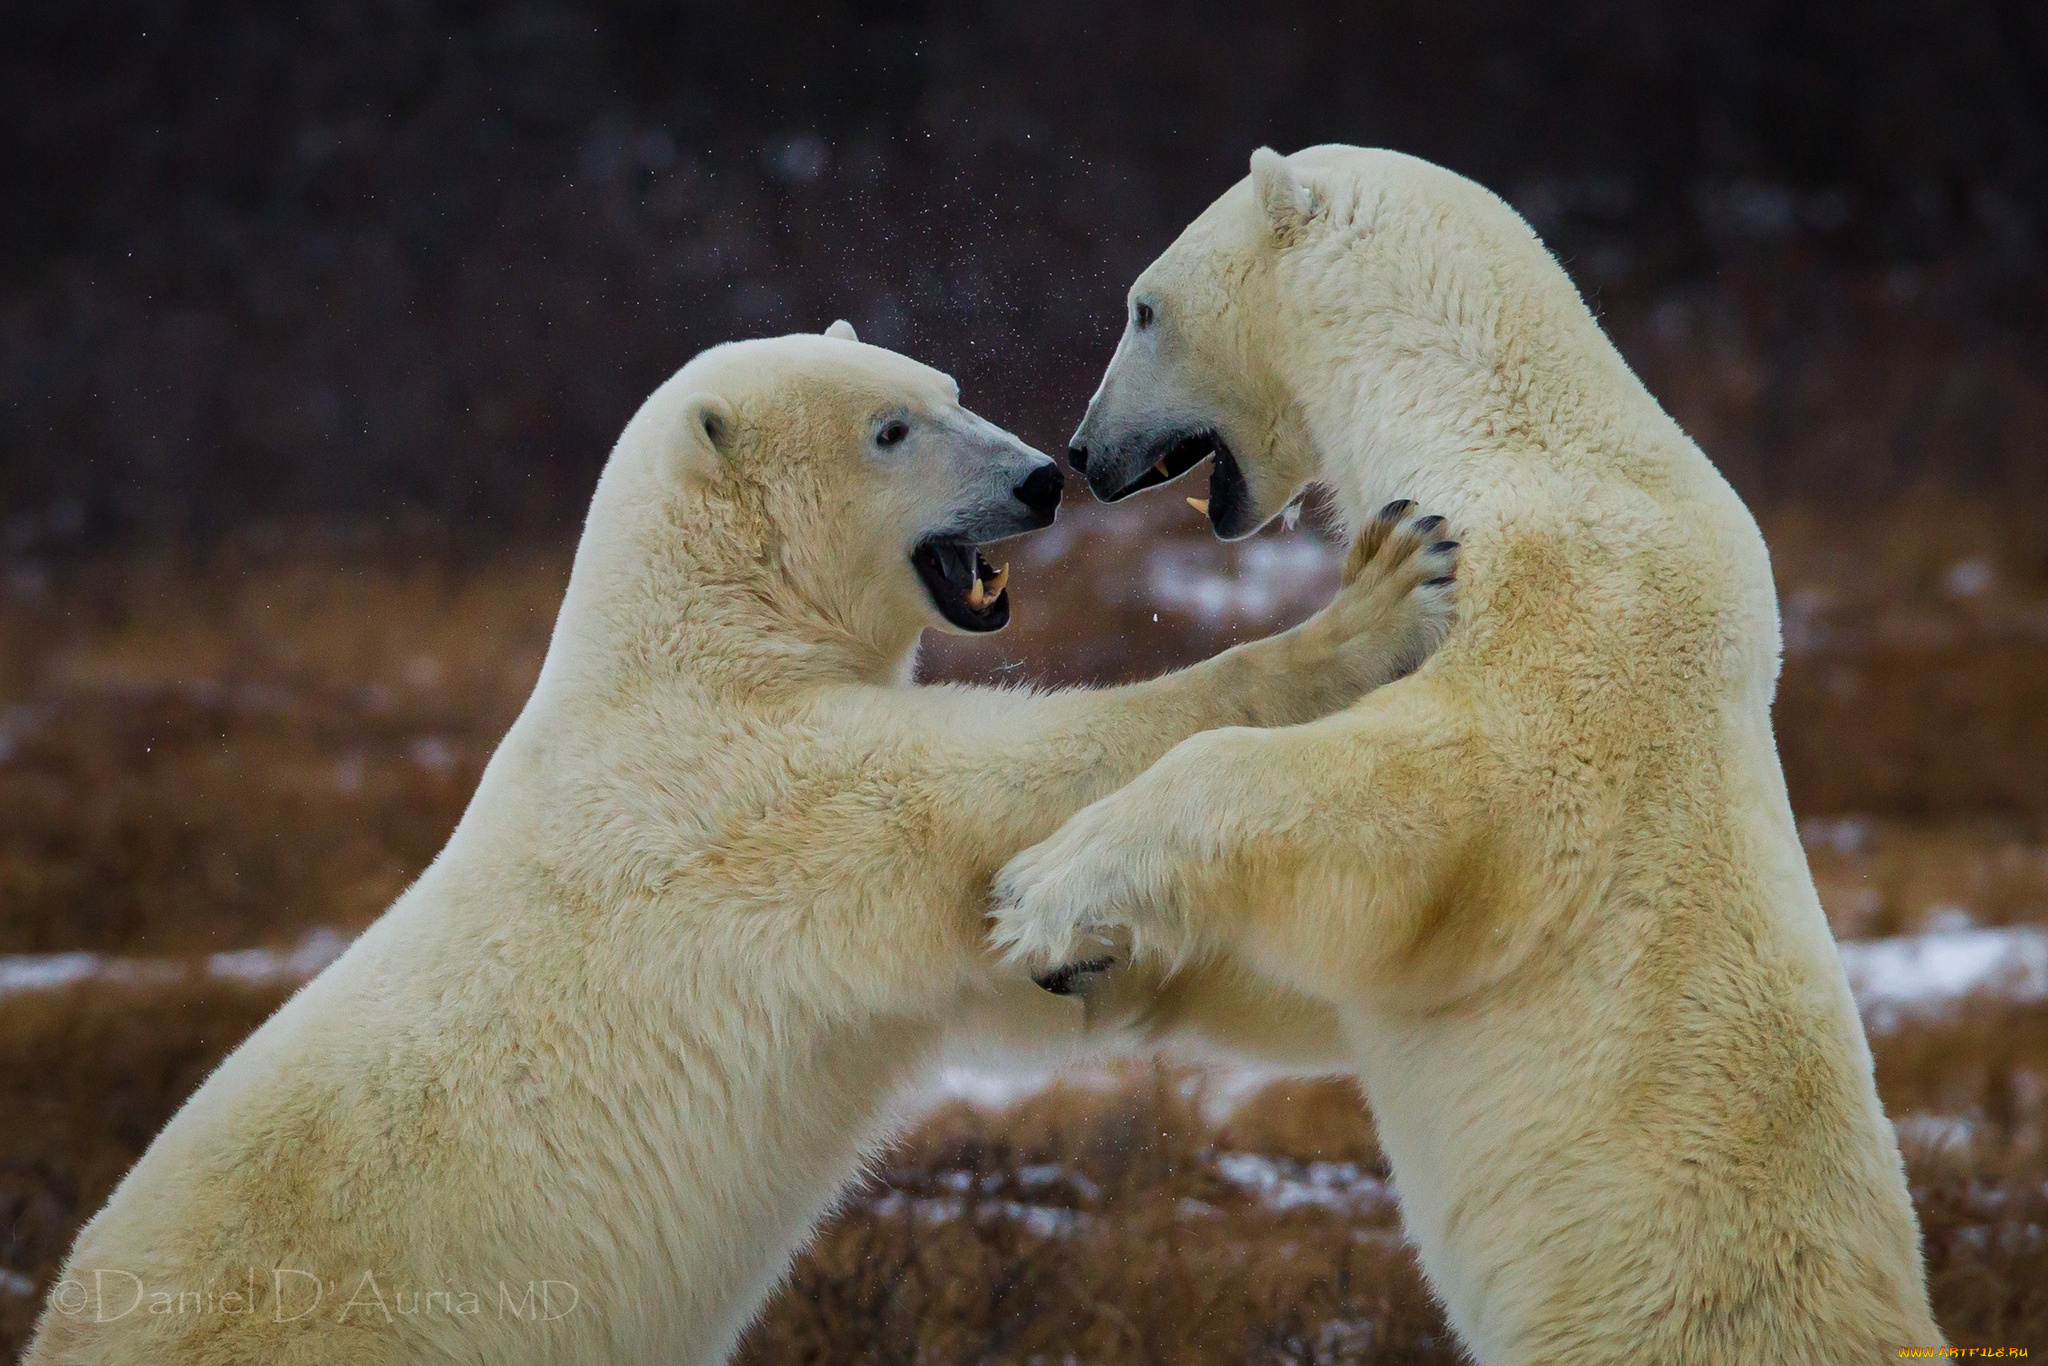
(892, 433)
(1144, 316)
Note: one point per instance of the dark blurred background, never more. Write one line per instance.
(391, 261)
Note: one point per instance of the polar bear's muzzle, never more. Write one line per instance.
(961, 584)
(1115, 475)
(1158, 461)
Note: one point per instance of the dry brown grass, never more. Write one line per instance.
(87, 1077)
(1880, 877)
(1169, 1262)
(212, 754)
(202, 754)
(1163, 1259)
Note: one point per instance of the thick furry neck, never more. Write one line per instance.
(1462, 416)
(701, 583)
(1475, 381)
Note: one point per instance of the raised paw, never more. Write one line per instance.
(1404, 544)
(1399, 594)
(1373, 535)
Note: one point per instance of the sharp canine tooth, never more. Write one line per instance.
(997, 583)
(1164, 473)
(1200, 505)
(977, 598)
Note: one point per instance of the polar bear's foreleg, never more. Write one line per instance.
(962, 779)
(984, 773)
(1222, 847)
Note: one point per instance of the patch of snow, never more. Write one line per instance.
(1346, 1339)
(922, 1209)
(1227, 1089)
(1283, 1184)
(1253, 585)
(313, 952)
(998, 1088)
(1041, 1174)
(1044, 1220)
(41, 971)
(1929, 1130)
(1391, 1238)
(1947, 915)
(48, 971)
(1844, 834)
(987, 1089)
(1921, 972)
(992, 1086)
(142, 972)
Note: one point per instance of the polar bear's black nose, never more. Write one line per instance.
(1077, 456)
(1040, 490)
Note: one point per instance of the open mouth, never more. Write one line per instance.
(1229, 497)
(961, 584)
(1170, 459)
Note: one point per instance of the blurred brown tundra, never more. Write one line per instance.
(210, 753)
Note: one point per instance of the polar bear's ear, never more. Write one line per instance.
(842, 330)
(1282, 196)
(702, 438)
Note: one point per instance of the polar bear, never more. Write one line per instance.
(1551, 881)
(720, 892)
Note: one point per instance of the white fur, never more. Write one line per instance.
(720, 892)
(1552, 880)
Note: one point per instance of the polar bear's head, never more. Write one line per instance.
(854, 473)
(1320, 274)
(1191, 373)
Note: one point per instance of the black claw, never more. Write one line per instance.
(1425, 525)
(1443, 547)
(1392, 511)
(1060, 981)
(1426, 583)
